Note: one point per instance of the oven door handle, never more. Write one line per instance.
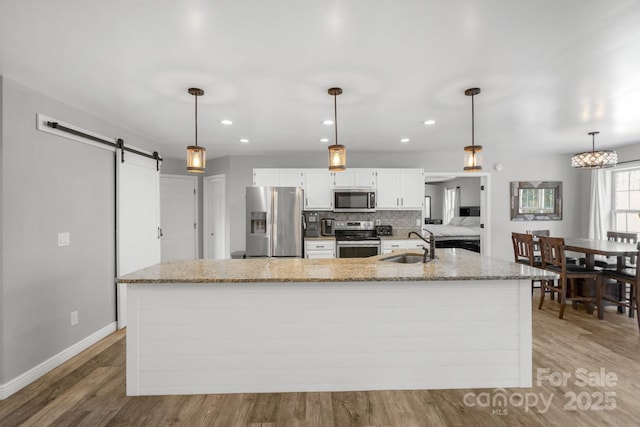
(358, 244)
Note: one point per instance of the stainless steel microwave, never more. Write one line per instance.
(354, 200)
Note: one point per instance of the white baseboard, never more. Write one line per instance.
(33, 374)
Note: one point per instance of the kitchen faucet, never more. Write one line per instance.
(432, 245)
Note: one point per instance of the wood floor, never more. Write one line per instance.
(89, 390)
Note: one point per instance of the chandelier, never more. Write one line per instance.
(594, 159)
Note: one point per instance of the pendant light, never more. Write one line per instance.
(472, 153)
(196, 155)
(594, 159)
(337, 152)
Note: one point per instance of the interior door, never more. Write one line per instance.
(215, 234)
(138, 219)
(178, 220)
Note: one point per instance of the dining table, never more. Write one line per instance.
(592, 247)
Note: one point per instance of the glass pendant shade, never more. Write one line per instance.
(196, 156)
(337, 152)
(196, 159)
(594, 159)
(472, 153)
(337, 158)
(473, 158)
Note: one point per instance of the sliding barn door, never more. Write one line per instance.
(138, 219)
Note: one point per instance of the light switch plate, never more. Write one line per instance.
(64, 239)
(74, 318)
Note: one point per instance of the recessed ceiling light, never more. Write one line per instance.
(327, 122)
(244, 140)
(226, 122)
(405, 140)
(324, 139)
(429, 122)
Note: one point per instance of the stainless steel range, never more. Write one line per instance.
(356, 239)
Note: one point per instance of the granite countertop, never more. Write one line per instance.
(451, 264)
(320, 238)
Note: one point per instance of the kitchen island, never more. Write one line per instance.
(281, 325)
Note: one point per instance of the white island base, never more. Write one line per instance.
(200, 338)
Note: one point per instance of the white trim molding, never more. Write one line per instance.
(48, 365)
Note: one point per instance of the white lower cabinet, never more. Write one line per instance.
(394, 245)
(315, 249)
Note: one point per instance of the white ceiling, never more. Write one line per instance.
(550, 71)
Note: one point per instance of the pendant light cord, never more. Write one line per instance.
(335, 116)
(196, 96)
(473, 130)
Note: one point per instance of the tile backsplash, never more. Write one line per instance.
(396, 219)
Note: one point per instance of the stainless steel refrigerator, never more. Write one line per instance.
(274, 221)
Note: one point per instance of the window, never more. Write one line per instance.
(626, 200)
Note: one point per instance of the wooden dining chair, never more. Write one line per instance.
(553, 259)
(523, 252)
(546, 233)
(624, 277)
(536, 234)
(612, 263)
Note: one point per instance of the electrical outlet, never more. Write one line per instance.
(64, 239)
(74, 318)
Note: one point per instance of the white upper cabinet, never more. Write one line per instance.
(293, 178)
(396, 189)
(318, 189)
(278, 178)
(355, 178)
(401, 189)
(411, 189)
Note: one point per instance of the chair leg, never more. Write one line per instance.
(634, 302)
(543, 290)
(562, 295)
(632, 292)
(621, 294)
(599, 285)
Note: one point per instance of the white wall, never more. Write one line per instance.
(517, 167)
(52, 184)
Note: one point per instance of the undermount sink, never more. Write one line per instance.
(404, 258)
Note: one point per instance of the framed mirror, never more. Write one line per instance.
(536, 200)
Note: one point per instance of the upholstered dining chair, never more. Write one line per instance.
(553, 259)
(624, 277)
(523, 252)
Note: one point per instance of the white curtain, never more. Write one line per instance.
(451, 203)
(600, 204)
